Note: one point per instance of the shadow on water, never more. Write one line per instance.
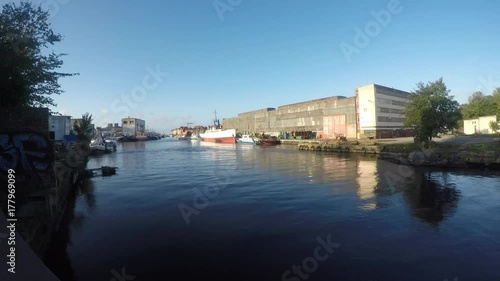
(430, 194)
(57, 258)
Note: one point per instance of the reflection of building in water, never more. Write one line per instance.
(366, 179)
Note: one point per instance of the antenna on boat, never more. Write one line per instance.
(216, 121)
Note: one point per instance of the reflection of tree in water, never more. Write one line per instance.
(57, 258)
(432, 198)
(430, 195)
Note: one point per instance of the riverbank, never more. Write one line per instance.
(459, 152)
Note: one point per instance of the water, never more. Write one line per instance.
(269, 210)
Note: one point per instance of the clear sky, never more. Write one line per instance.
(235, 56)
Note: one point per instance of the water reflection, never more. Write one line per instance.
(432, 198)
(429, 194)
(57, 257)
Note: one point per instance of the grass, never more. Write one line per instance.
(482, 147)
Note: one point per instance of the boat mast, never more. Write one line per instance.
(216, 121)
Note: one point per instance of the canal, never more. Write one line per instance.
(180, 210)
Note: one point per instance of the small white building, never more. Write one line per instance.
(59, 126)
(133, 126)
(480, 125)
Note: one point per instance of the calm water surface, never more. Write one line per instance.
(178, 210)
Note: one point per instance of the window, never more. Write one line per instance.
(124, 122)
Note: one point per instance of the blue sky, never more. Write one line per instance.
(262, 53)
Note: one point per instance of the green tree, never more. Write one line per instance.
(496, 99)
(28, 75)
(84, 129)
(479, 105)
(494, 126)
(430, 110)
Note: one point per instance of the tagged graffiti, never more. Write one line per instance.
(26, 153)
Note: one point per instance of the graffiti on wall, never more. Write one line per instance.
(25, 152)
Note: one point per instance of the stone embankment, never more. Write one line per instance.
(446, 157)
(365, 147)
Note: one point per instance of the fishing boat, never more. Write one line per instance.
(99, 146)
(247, 139)
(217, 134)
(269, 141)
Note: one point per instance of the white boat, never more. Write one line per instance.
(246, 139)
(98, 145)
(194, 138)
(217, 134)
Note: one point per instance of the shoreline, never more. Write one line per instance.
(440, 155)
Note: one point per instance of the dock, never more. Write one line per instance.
(104, 171)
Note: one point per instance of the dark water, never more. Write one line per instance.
(270, 213)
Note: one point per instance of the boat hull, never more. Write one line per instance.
(219, 136)
(220, 139)
(246, 142)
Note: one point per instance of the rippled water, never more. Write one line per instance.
(263, 213)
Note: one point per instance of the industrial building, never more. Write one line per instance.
(373, 112)
(133, 126)
(379, 111)
(59, 126)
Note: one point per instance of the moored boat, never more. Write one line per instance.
(217, 134)
(247, 139)
(269, 141)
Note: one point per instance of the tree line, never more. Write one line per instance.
(431, 110)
